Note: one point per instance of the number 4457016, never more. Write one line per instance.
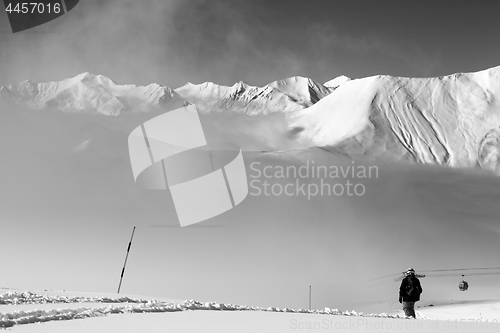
(34, 7)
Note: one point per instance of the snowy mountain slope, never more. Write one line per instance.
(452, 120)
(89, 93)
(283, 96)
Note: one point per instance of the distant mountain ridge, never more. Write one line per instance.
(285, 96)
(452, 120)
(91, 93)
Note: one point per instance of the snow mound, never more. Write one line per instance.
(28, 297)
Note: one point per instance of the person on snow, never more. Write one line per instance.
(409, 292)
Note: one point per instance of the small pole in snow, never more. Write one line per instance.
(126, 257)
(309, 297)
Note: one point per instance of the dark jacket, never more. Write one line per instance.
(410, 289)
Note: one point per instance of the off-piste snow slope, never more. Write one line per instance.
(452, 120)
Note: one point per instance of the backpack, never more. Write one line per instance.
(412, 289)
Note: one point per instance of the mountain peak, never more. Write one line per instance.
(84, 76)
(302, 89)
(289, 81)
(241, 84)
(334, 83)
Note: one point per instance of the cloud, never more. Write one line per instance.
(125, 40)
(167, 42)
(329, 40)
(176, 41)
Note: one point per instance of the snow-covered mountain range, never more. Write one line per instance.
(285, 96)
(452, 120)
(88, 93)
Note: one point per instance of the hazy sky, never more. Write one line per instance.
(176, 41)
(67, 217)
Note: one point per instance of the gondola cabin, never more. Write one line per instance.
(463, 285)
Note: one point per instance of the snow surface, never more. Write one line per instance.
(124, 314)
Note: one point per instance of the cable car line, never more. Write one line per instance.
(458, 269)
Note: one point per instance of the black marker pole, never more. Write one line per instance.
(309, 297)
(126, 257)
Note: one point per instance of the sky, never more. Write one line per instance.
(174, 42)
(67, 218)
